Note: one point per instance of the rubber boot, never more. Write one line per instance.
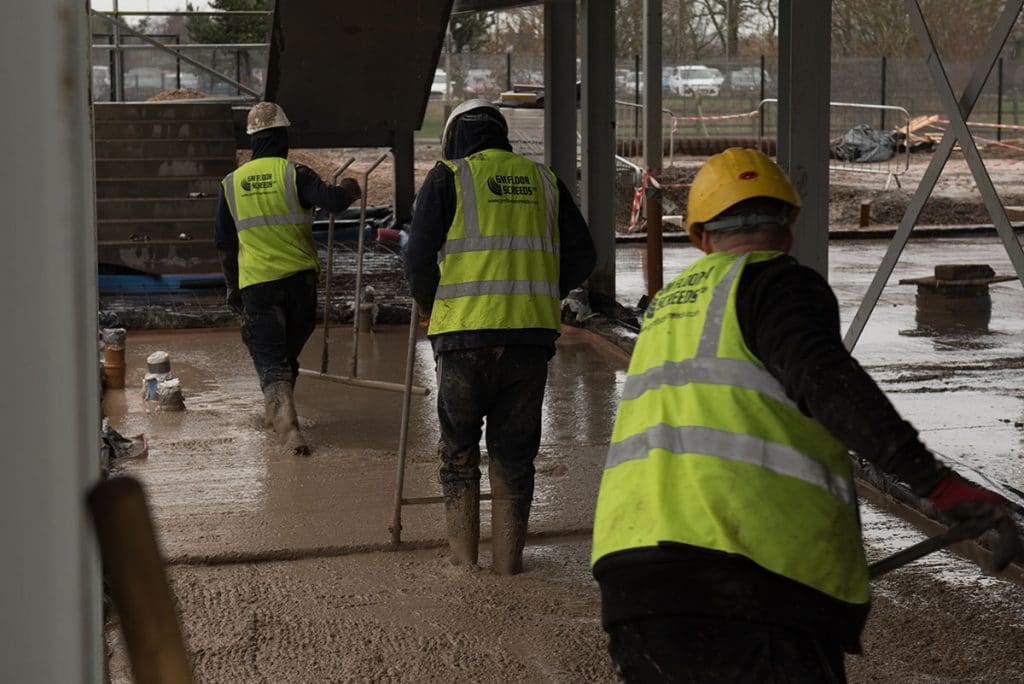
(269, 405)
(510, 515)
(462, 516)
(285, 418)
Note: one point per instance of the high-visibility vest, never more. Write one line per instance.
(499, 264)
(708, 451)
(275, 233)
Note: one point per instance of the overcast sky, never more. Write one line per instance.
(149, 5)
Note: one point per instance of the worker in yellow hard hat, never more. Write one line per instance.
(726, 539)
(496, 242)
(264, 236)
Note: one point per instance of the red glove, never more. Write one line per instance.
(954, 490)
(961, 501)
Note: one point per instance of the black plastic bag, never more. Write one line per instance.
(864, 144)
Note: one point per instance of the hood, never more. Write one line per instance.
(472, 134)
(272, 142)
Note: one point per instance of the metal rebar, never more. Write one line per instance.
(359, 266)
(329, 277)
(403, 435)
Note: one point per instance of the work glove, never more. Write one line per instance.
(964, 502)
(234, 300)
(351, 187)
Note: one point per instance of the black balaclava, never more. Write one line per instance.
(272, 142)
(477, 129)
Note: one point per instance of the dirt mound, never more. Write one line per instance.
(182, 94)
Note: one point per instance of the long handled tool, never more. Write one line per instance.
(330, 273)
(969, 529)
(138, 583)
(325, 353)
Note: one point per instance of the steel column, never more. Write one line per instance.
(51, 630)
(803, 121)
(404, 176)
(560, 90)
(599, 143)
(653, 141)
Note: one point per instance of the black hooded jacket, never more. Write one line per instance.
(313, 192)
(433, 215)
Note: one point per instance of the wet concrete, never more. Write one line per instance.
(222, 490)
(278, 561)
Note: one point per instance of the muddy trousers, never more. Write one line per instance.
(279, 317)
(505, 385)
(705, 649)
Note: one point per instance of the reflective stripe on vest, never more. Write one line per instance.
(708, 451)
(499, 264)
(274, 231)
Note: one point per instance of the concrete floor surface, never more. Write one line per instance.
(280, 566)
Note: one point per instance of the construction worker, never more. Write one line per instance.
(726, 539)
(496, 242)
(265, 241)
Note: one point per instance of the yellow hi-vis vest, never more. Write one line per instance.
(707, 449)
(499, 264)
(275, 233)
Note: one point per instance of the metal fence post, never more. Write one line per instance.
(881, 125)
(508, 71)
(999, 100)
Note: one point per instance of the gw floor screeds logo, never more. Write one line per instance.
(258, 181)
(506, 186)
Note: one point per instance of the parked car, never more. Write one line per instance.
(479, 83)
(439, 87)
(626, 82)
(748, 80)
(696, 78)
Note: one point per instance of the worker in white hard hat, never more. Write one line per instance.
(496, 242)
(727, 540)
(264, 237)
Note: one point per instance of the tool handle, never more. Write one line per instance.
(969, 529)
(138, 585)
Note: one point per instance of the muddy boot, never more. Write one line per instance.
(462, 515)
(269, 407)
(509, 518)
(285, 419)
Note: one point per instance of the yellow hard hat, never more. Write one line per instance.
(730, 177)
(264, 115)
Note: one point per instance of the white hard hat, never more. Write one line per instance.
(264, 115)
(468, 106)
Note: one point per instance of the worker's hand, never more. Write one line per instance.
(962, 501)
(234, 300)
(351, 186)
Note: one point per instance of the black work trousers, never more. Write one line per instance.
(701, 649)
(279, 316)
(505, 385)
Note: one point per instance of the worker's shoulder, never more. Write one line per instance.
(782, 268)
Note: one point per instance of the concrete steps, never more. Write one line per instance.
(182, 186)
(158, 172)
